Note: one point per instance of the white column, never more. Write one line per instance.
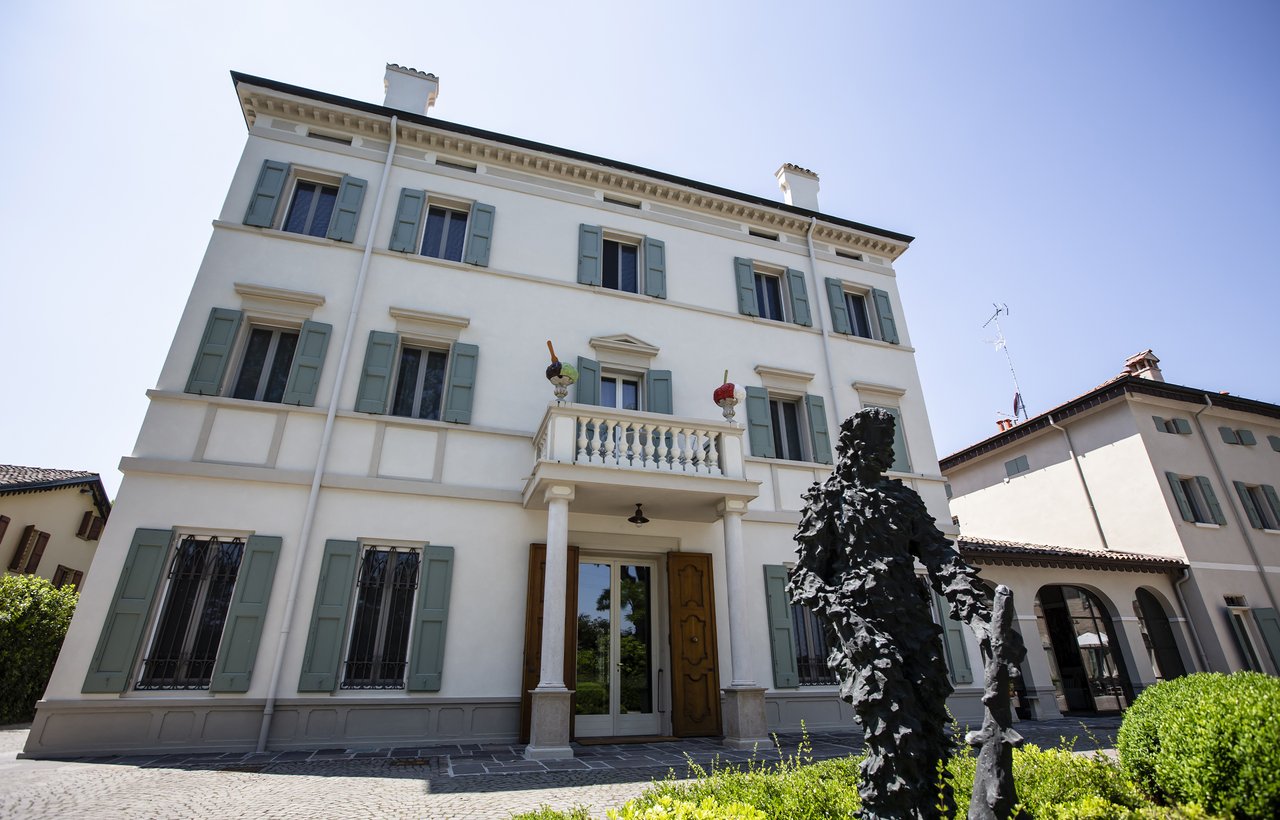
(555, 583)
(731, 511)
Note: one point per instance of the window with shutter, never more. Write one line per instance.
(616, 261)
(426, 381)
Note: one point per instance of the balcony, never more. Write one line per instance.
(679, 468)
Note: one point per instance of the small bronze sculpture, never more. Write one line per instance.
(860, 537)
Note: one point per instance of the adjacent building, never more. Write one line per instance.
(356, 514)
(50, 522)
(1137, 475)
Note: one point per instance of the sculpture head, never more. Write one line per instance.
(866, 441)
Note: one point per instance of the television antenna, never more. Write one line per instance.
(1019, 406)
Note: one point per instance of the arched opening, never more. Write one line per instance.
(1082, 646)
(1157, 636)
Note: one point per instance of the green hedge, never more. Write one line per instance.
(1207, 739)
(34, 615)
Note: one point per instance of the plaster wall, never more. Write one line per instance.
(57, 512)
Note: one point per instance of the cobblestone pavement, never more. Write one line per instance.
(440, 781)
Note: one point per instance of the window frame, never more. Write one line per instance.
(1195, 499)
(295, 182)
(450, 207)
(622, 240)
(778, 399)
(426, 346)
(297, 176)
(865, 312)
(812, 646)
(241, 350)
(384, 615)
(778, 277)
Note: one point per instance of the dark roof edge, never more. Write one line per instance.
(1031, 557)
(371, 108)
(94, 481)
(1100, 395)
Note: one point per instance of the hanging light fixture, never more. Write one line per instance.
(638, 519)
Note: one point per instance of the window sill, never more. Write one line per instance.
(1269, 531)
(1205, 526)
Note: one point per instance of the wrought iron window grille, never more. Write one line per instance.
(377, 656)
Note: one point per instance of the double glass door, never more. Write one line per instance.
(615, 660)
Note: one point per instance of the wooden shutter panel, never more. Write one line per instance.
(26, 542)
(1242, 641)
(86, 522)
(799, 297)
(95, 529)
(426, 656)
(1246, 437)
(463, 361)
(346, 211)
(266, 194)
(1269, 626)
(308, 360)
(590, 251)
(953, 643)
(745, 277)
(214, 352)
(1184, 506)
(242, 632)
(1159, 424)
(76, 577)
(479, 235)
(884, 312)
(375, 377)
(37, 552)
(587, 390)
(759, 425)
(1273, 500)
(1274, 441)
(1182, 427)
(4, 525)
(112, 661)
(819, 433)
(840, 321)
(1246, 501)
(1228, 435)
(322, 657)
(657, 388)
(1211, 499)
(655, 268)
(782, 637)
(404, 231)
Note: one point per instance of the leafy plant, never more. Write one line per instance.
(34, 615)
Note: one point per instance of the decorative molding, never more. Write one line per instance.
(624, 349)
(277, 303)
(781, 378)
(432, 325)
(879, 389)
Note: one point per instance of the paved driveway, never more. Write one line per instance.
(458, 781)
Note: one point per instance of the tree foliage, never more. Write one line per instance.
(34, 615)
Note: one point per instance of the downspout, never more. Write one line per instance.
(308, 517)
(1186, 616)
(822, 324)
(1071, 450)
(1235, 513)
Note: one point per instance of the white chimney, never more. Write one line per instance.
(799, 186)
(410, 89)
(1144, 365)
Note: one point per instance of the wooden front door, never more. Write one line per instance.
(532, 668)
(695, 682)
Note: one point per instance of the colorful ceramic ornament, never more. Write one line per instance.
(560, 374)
(728, 396)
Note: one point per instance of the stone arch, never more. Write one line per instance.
(1078, 623)
(1153, 611)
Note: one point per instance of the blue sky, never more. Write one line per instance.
(1106, 169)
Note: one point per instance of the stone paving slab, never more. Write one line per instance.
(465, 781)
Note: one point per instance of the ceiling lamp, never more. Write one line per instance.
(638, 519)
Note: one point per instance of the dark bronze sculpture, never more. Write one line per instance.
(860, 537)
(994, 797)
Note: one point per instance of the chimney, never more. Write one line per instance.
(1004, 424)
(799, 186)
(1144, 365)
(409, 89)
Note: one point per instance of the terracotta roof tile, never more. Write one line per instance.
(1019, 552)
(13, 476)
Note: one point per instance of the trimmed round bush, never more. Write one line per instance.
(1207, 739)
(34, 615)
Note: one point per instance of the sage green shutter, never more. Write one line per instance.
(243, 629)
(1159, 424)
(404, 231)
(590, 250)
(745, 276)
(1246, 437)
(759, 425)
(112, 661)
(1242, 641)
(1246, 501)
(800, 314)
(265, 200)
(1228, 435)
(782, 636)
(953, 643)
(1182, 427)
(426, 655)
(819, 433)
(1273, 500)
(479, 235)
(1274, 441)
(322, 657)
(1210, 498)
(375, 378)
(655, 268)
(214, 352)
(462, 383)
(657, 389)
(308, 360)
(346, 211)
(884, 312)
(840, 321)
(901, 459)
(1184, 506)
(588, 389)
(1269, 626)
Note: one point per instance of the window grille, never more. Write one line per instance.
(385, 592)
(812, 647)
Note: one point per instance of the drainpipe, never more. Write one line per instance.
(1235, 513)
(308, 517)
(822, 324)
(1186, 615)
(1071, 450)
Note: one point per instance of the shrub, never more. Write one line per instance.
(34, 615)
(545, 812)
(1209, 739)
(669, 808)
